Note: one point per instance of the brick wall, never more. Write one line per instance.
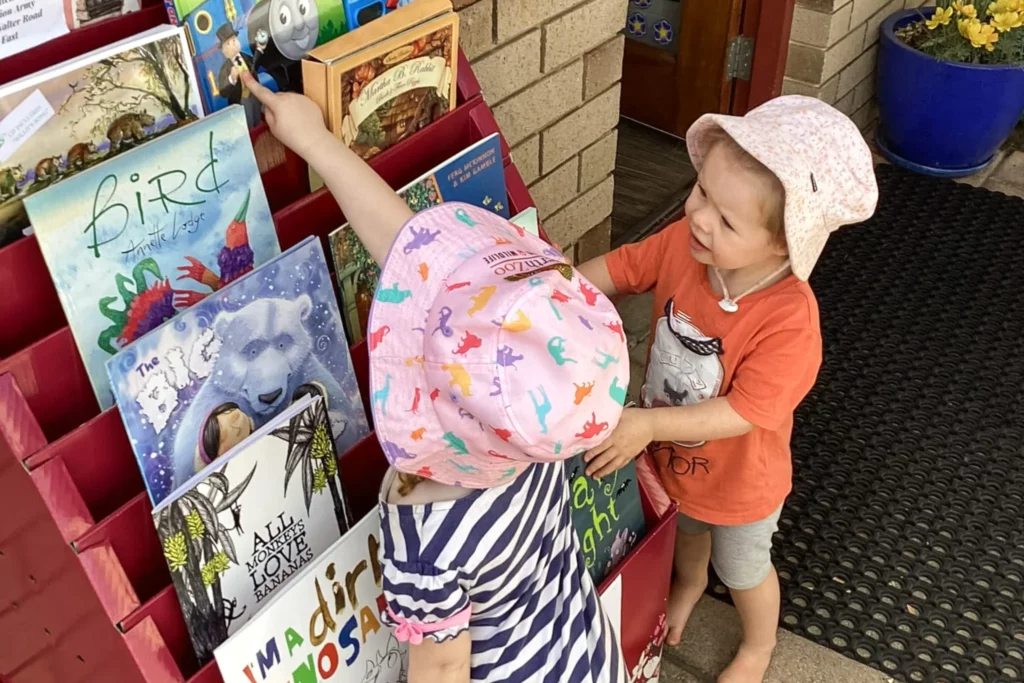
(550, 70)
(833, 49)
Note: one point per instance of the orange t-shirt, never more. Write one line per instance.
(764, 358)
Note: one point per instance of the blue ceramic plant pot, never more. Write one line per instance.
(942, 118)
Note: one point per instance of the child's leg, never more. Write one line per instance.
(741, 556)
(692, 554)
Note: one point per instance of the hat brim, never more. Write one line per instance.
(406, 417)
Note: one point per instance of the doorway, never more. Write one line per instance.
(683, 59)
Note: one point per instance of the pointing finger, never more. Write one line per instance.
(259, 91)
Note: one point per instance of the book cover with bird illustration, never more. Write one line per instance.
(237, 531)
(473, 176)
(250, 348)
(607, 515)
(57, 123)
(132, 242)
(325, 625)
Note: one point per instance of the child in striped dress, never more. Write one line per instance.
(493, 361)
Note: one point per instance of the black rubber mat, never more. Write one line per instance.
(902, 545)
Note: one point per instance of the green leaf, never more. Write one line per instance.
(176, 551)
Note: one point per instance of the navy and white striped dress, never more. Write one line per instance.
(511, 556)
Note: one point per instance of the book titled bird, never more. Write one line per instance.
(133, 241)
(242, 527)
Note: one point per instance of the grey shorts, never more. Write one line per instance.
(741, 555)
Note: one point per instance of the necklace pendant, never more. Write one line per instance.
(728, 305)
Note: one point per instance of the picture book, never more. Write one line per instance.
(325, 625)
(474, 176)
(528, 221)
(382, 83)
(256, 344)
(607, 515)
(135, 240)
(82, 12)
(253, 517)
(60, 122)
(264, 37)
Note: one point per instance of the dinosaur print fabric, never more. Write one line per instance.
(488, 352)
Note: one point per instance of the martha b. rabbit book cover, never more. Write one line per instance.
(236, 532)
(135, 240)
(254, 344)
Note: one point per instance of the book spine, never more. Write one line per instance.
(172, 13)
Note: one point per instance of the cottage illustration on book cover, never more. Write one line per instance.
(325, 625)
(607, 515)
(473, 176)
(234, 534)
(61, 122)
(134, 241)
(264, 37)
(252, 344)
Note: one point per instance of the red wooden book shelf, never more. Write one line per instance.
(85, 593)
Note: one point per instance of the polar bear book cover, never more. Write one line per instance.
(193, 387)
(233, 535)
(135, 240)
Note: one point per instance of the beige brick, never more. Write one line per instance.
(825, 93)
(462, 4)
(476, 28)
(575, 220)
(598, 160)
(581, 29)
(545, 101)
(866, 115)
(603, 67)
(874, 23)
(597, 241)
(857, 71)
(580, 129)
(805, 63)
(510, 68)
(842, 53)
(556, 189)
(518, 16)
(527, 159)
(863, 93)
(845, 104)
(823, 5)
(862, 9)
(819, 28)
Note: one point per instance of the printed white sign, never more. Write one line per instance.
(23, 121)
(27, 23)
(611, 600)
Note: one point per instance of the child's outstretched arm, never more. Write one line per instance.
(372, 208)
(447, 662)
(596, 270)
(705, 421)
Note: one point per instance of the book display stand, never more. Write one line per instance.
(85, 593)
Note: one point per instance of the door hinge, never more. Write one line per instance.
(739, 58)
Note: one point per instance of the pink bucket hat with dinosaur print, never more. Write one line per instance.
(817, 153)
(488, 352)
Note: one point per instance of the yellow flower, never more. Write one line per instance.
(940, 18)
(965, 9)
(1001, 6)
(980, 35)
(1004, 21)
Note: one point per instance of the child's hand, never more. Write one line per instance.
(294, 119)
(634, 432)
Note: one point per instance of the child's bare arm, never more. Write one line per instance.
(596, 270)
(705, 421)
(447, 662)
(372, 208)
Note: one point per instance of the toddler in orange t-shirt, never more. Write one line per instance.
(735, 343)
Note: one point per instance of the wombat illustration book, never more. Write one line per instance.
(60, 122)
(255, 344)
(607, 515)
(135, 240)
(264, 37)
(473, 176)
(235, 533)
(325, 625)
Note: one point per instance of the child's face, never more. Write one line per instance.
(234, 428)
(726, 214)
